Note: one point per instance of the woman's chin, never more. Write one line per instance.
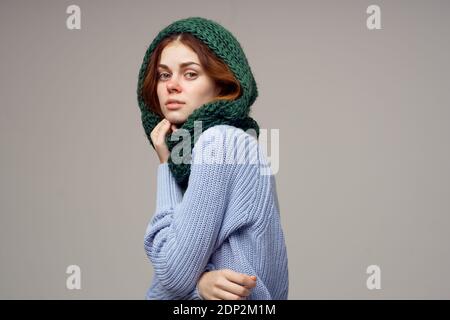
(174, 119)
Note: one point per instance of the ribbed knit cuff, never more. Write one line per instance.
(209, 267)
(168, 192)
(197, 293)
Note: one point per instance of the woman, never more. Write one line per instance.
(216, 231)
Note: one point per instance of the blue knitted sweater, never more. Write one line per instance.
(228, 218)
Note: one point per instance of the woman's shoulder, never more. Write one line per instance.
(226, 143)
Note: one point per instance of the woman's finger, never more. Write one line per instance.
(162, 131)
(225, 295)
(234, 288)
(164, 125)
(239, 278)
(161, 125)
(155, 130)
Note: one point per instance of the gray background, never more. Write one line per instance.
(364, 142)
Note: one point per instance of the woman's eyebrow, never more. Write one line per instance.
(182, 65)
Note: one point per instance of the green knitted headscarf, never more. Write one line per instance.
(234, 113)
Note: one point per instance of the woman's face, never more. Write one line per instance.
(187, 83)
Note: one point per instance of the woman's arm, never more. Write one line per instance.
(159, 292)
(181, 237)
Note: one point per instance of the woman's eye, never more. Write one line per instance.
(161, 74)
(192, 73)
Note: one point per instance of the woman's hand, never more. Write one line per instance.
(225, 284)
(158, 136)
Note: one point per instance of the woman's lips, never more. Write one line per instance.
(174, 105)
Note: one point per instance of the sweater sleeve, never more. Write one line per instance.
(159, 292)
(182, 234)
(196, 294)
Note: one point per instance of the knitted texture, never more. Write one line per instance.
(228, 218)
(235, 113)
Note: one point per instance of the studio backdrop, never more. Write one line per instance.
(353, 98)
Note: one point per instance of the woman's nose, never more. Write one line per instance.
(173, 84)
